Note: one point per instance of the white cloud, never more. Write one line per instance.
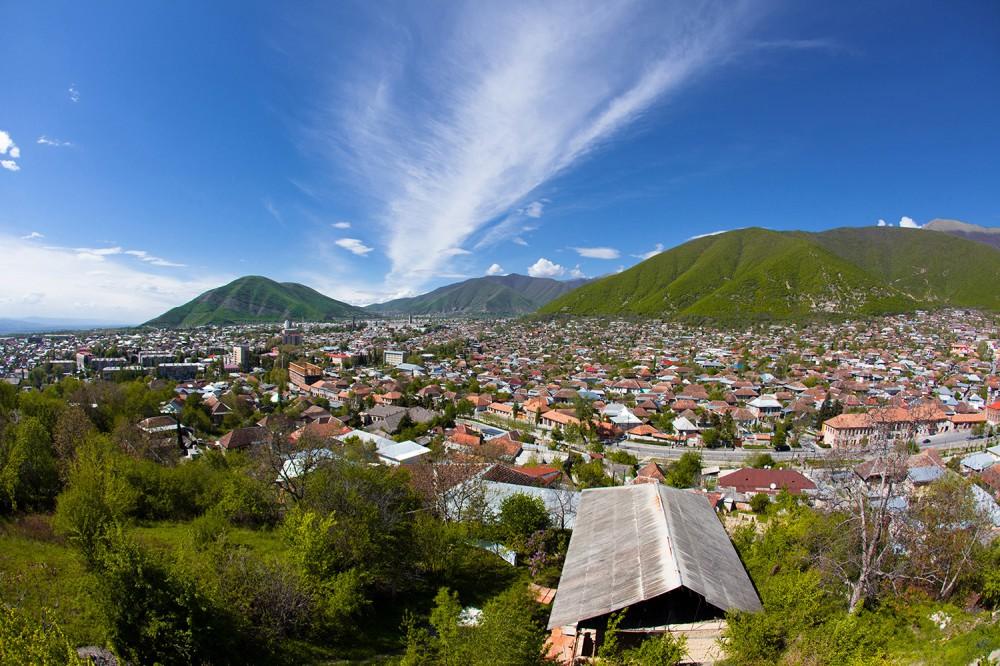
(881, 223)
(354, 245)
(150, 259)
(576, 272)
(545, 268)
(517, 240)
(341, 225)
(598, 252)
(8, 147)
(72, 285)
(56, 143)
(74, 93)
(652, 253)
(32, 236)
(908, 223)
(497, 118)
(495, 269)
(455, 252)
(534, 209)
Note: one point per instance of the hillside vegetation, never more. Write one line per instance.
(491, 295)
(256, 299)
(758, 273)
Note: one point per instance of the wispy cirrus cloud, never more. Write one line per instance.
(44, 140)
(34, 235)
(597, 252)
(495, 103)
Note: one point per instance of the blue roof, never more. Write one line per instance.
(978, 461)
(924, 474)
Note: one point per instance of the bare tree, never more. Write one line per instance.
(862, 496)
(943, 529)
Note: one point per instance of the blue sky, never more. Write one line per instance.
(371, 150)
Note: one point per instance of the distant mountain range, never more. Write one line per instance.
(742, 274)
(256, 299)
(988, 235)
(757, 273)
(493, 295)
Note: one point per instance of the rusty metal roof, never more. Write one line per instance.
(633, 543)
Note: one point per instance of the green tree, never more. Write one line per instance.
(686, 472)
(28, 475)
(521, 515)
(97, 495)
(760, 502)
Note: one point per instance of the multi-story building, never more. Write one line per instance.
(394, 357)
(303, 373)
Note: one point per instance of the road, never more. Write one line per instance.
(955, 439)
(641, 450)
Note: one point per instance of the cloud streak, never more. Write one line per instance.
(597, 252)
(504, 101)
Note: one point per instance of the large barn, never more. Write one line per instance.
(660, 553)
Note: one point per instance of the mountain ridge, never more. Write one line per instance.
(759, 273)
(511, 294)
(254, 298)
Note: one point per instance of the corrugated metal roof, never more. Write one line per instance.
(634, 543)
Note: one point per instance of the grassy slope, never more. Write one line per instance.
(498, 294)
(930, 266)
(40, 572)
(745, 273)
(255, 298)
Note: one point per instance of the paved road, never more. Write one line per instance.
(955, 439)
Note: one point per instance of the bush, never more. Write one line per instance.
(760, 502)
(25, 641)
(153, 614)
(97, 496)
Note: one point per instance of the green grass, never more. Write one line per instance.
(40, 572)
(918, 640)
(757, 274)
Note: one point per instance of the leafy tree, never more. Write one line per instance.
(28, 475)
(591, 475)
(521, 515)
(97, 495)
(760, 502)
(686, 471)
(761, 460)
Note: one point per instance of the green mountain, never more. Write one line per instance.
(760, 274)
(256, 299)
(988, 235)
(491, 295)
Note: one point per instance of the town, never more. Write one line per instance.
(585, 418)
